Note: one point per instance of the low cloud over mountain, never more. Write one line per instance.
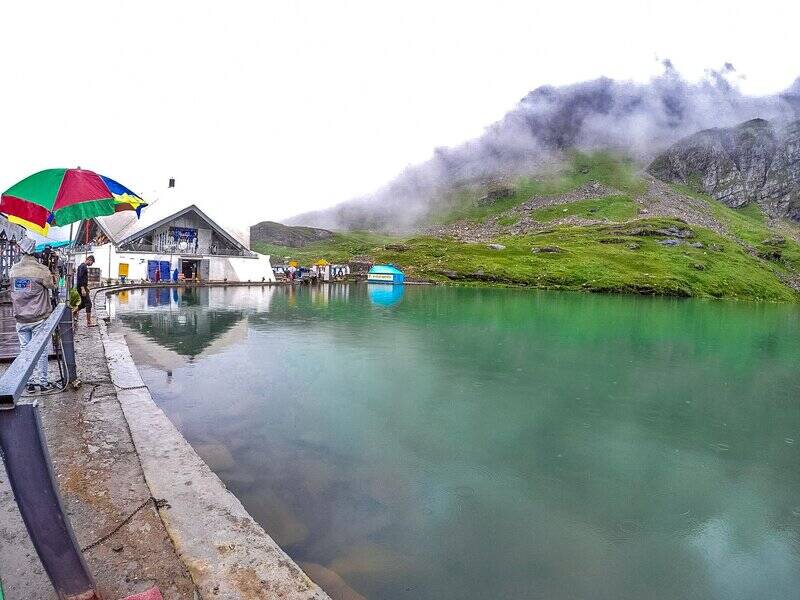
(639, 120)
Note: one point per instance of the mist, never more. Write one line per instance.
(635, 119)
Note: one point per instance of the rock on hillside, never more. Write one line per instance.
(270, 232)
(756, 161)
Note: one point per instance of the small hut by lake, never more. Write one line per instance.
(385, 274)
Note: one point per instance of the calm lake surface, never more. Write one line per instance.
(441, 443)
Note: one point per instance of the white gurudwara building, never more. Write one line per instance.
(184, 244)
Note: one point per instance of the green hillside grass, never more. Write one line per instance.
(594, 258)
(338, 249)
(589, 262)
(609, 208)
(749, 225)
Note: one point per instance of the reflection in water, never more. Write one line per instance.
(496, 443)
(190, 320)
(384, 294)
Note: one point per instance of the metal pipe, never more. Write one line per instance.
(66, 333)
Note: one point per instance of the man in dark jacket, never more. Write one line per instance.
(31, 284)
(82, 283)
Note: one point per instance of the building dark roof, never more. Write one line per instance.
(123, 227)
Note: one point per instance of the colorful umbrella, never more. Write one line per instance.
(63, 196)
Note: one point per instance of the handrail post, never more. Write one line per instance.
(67, 335)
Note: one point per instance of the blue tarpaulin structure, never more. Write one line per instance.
(385, 274)
(54, 245)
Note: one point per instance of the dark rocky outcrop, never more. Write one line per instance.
(647, 230)
(756, 161)
(361, 264)
(495, 193)
(270, 232)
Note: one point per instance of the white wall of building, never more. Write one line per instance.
(232, 268)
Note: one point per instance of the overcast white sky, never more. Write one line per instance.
(261, 110)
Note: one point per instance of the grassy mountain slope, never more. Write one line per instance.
(603, 167)
(597, 225)
(338, 249)
(294, 237)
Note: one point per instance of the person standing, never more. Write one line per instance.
(31, 285)
(82, 283)
(50, 260)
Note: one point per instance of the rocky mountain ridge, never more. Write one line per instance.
(756, 161)
(270, 232)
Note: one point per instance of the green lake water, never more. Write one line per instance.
(439, 443)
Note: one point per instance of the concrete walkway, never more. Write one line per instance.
(103, 490)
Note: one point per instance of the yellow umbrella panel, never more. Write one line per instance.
(29, 225)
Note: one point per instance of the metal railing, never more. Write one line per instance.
(23, 449)
(13, 381)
